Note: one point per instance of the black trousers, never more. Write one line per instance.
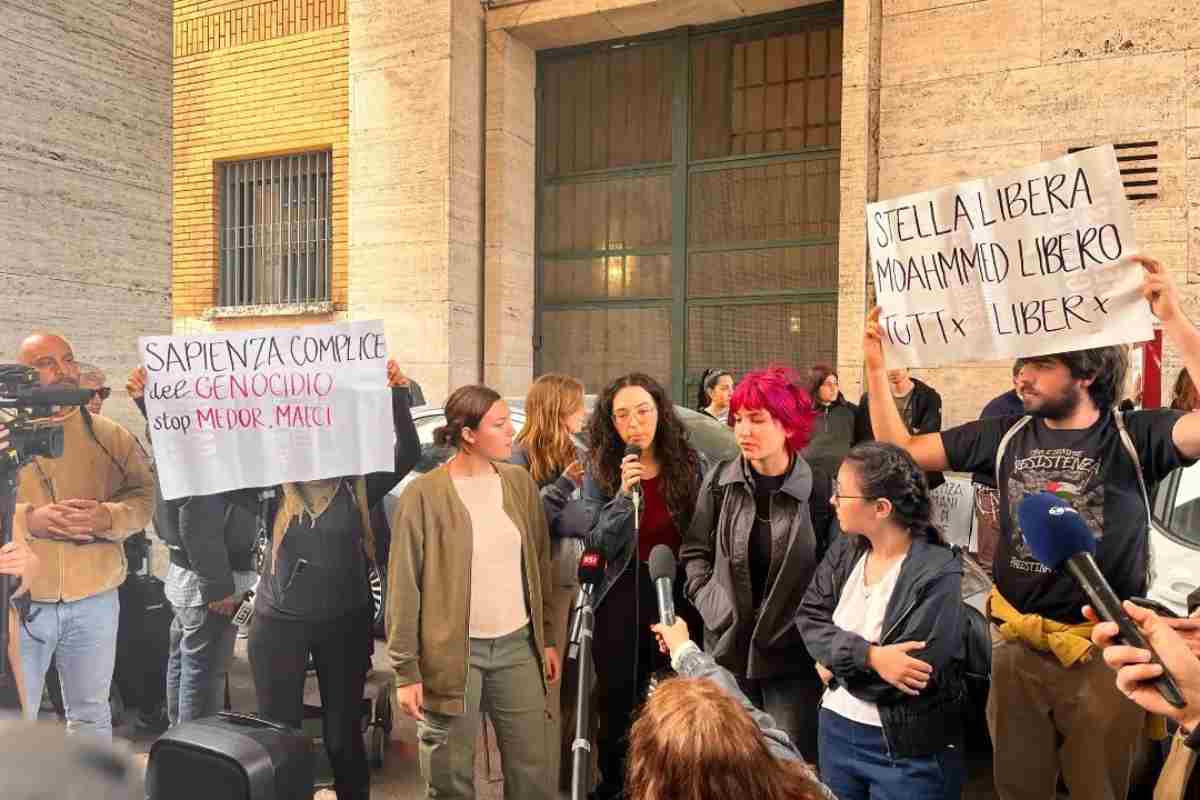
(623, 636)
(278, 650)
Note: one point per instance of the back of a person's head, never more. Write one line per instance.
(692, 741)
(39, 761)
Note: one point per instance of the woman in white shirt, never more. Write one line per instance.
(883, 616)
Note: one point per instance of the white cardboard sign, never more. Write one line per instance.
(260, 408)
(1029, 263)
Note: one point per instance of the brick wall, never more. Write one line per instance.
(85, 231)
(252, 79)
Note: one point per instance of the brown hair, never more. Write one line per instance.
(816, 378)
(544, 437)
(465, 408)
(1106, 366)
(692, 741)
(1185, 396)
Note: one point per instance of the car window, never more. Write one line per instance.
(1177, 504)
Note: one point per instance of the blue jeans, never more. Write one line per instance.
(201, 652)
(81, 636)
(856, 765)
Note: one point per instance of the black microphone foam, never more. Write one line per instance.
(662, 563)
(633, 450)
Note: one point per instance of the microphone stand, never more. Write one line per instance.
(581, 650)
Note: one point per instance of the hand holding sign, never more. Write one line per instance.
(873, 341)
(136, 385)
(396, 377)
(1160, 290)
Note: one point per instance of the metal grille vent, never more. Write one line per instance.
(1139, 168)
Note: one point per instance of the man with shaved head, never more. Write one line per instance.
(80, 508)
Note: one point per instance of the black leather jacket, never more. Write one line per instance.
(926, 606)
(714, 555)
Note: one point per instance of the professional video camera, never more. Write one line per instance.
(26, 409)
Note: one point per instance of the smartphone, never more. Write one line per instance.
(245, 610)
(1155, 606)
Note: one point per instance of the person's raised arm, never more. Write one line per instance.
(1160, 291)
(926, 449)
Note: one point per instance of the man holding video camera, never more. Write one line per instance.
(80, 508)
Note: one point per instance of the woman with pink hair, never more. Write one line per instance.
(750, 552)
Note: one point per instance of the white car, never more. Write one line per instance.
(1175, 539)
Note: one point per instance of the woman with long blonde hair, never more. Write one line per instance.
(554, 414)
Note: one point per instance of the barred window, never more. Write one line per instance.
(274, 219)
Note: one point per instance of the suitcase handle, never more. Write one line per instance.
(251, 720)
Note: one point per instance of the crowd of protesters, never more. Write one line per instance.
(821, 641)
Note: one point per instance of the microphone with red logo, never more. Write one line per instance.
(1059, 537)
(591, 572)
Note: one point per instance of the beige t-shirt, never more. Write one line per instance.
(497, 591)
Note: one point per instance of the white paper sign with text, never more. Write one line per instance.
(259, 408)
(1030, 263)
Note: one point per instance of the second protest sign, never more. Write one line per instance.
(1029, 263)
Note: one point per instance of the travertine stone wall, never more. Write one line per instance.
(416, 168)
(970, 89)
(85, 190)
(509, 203)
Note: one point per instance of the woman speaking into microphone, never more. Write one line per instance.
(639, 459)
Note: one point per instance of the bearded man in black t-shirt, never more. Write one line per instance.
(1054, 707)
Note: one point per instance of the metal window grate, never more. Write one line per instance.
(1139, 168)
(275, 221)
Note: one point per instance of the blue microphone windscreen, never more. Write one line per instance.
(1053, 529)
(662, 562)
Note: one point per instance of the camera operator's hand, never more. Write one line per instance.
(136, 386)
(16, 558)
(53, 521)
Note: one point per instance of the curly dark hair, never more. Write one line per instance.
(679, 461)
(887, 472)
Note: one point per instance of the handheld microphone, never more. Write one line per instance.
(662, 573)
(636, 494)
(1058, 536)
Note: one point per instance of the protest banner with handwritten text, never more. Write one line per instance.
(1029, 263)
(264, 407)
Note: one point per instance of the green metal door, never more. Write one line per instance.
(687, 203)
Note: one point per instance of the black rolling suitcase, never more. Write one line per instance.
(232, 757)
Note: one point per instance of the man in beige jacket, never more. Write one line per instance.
(81, 507)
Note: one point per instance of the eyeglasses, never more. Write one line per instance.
(837, 494)
(643, 414)
(103, 392)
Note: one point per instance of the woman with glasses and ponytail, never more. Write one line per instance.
(884, 618)
(639, 453)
